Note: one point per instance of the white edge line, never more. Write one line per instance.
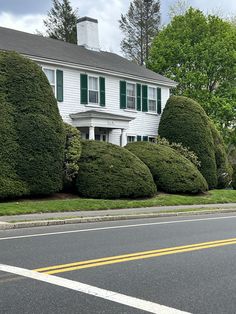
(140, 304)
(114, 227)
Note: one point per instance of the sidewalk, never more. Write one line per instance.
(46, 219)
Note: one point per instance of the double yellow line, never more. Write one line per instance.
(133, 256)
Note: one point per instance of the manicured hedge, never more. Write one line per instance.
(171, 172)
(36, 124)
(224, 169)
(72, 156)
(184, 121)
(109, 171)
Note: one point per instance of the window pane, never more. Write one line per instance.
(131, 90)
(50, 75)
(152, 105)
(130, 102)
(152, 93)
(130, 139)
(93, 83)
(93, 97)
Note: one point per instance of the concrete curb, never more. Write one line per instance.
(44, 223)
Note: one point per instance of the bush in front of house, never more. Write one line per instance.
(10, 183)
(224, 169)
(38, 127)
(184, 121)
(109, 171)
(72, 156)
(172, 173)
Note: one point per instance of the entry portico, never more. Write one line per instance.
(95, 124)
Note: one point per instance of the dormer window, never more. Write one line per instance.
(93, 90)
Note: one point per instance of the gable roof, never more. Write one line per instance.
(42, 47)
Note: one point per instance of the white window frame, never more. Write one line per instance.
(135, 104)
(152, 99)
(54, 86)
(131, 136)
(94, 103)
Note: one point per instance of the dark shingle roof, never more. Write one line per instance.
(38, 46)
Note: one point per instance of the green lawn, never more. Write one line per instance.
(73, 204)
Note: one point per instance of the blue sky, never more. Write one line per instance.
(27, 15)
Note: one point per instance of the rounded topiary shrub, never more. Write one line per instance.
(224, 169)
(110, 171)
(72, 156)
(172, 172)
(10, 183)
(184, 121)
(36, 122)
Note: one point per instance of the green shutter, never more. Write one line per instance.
(122, 94)
(84, 89)
(102, 91)
(139, 138)
(145, 138)
(159, 100)
(138, 88)
(59, 78)
(144, 98)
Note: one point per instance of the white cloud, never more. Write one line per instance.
(27, 23)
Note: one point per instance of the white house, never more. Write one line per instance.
(104, 95)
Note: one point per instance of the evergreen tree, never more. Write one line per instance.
(139, 26)
(61, 21)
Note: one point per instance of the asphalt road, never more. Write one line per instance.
(165, 261)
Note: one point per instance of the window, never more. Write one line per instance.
(93, 90)
(152, 139)
(130, 89)
(152, 99)
(131, 139)
(50, 74)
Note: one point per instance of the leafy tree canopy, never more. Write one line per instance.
(61, 22)
(139, 26)
(199, 52)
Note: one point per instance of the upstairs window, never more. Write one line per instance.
(130, 89)
(152, 99)
(50, 74)
(93, 90)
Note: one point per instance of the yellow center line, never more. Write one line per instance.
(134, 256)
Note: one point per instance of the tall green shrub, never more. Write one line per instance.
(184, 121)
(110, 171)
(36, 123)
(171, 172)
(224, 169)
(72, 155)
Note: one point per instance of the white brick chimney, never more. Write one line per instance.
(87, 33)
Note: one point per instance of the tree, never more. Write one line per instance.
(139, 26)
(199, 52)
(61, 22)
(178, 8)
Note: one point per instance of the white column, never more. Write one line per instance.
(92, 133)
(123, 137)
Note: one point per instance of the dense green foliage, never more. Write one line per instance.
(35, 146)
(190, 155)
(109, 171)
(72, 155)
(139, 26)
(61, 21)
(199, 52)
(172, 172)
(224, 169)
(234, 177)
(184, 121)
